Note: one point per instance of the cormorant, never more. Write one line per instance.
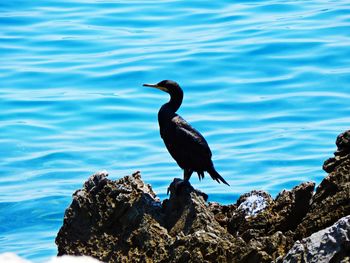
(184, 143)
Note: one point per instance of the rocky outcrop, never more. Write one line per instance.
(332, 198)
(124, 221)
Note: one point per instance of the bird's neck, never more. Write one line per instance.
(168, 110)
(175, 102)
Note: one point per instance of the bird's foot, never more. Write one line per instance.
(183, 188)
(178, 185)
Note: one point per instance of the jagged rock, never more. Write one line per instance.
(105, 215)
(328, 245)
(342, 153)
(332, 198)
(253, 203)
(250, 213)
(263, 230)
(124, 221)
(282, 214)
(292, 206)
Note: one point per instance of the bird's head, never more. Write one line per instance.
(168, 86)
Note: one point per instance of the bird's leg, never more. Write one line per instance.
(187, 174)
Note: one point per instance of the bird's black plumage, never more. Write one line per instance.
(185, 144)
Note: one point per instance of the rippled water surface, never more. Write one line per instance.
(266, 82)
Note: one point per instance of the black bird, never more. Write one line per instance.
(185, 144)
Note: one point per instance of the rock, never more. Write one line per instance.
(282, 214)
(124, 221)
(291, 206)
(253, 203)
(332, 198)
(342, 153)
(328, 245)
(105, 214)
(249, 219)
(268, 231)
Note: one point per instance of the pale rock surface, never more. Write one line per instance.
(328, 245)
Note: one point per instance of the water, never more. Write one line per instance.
(266, 82)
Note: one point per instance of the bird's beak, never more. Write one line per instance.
(156, 86)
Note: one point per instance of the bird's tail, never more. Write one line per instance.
(216, 176)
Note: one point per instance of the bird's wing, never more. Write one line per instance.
(191, 143)
(188, 133)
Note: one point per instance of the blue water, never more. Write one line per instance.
(266, 82)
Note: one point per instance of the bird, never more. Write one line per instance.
(185, 144)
